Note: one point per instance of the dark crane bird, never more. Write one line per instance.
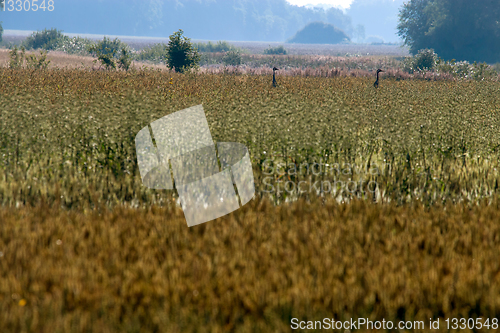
(376, 82)
(274, 76)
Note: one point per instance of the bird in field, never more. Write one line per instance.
(376, 82)
(274, 76)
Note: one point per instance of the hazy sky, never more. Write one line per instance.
(334, 3)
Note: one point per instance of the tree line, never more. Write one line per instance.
(455, 29)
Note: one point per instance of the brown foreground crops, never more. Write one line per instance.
(131, 270)
(84, 247)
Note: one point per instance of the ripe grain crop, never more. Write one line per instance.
(85, 247)
(143, 270)
(69, 134)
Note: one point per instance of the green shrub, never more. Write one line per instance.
(106, 46)
(482, 71)
(428, 60)
(232, 58)
(16, 59)
(425, 60)
(125, 59)
(465, 70)
(1, 31)
(220, 46)
(106, 60)
(181, 53)
(37, 63)
(275, 50)
(46, 39)
(156, 53)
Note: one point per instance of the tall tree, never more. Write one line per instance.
(181, 53)
(455, 29)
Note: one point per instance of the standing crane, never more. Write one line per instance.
(376, 82)
(274, 76)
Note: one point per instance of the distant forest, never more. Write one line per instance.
(250, 20)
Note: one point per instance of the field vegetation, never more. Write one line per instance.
(407, 229)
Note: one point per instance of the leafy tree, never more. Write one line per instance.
(75, 45)
(455, 29)
(425, 60)
(110, 52)
(1, 31)
(220, 46)
(125, 59)
(46, 39)
(181, 53)
(107, 46)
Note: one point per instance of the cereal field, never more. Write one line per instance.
(374, 203)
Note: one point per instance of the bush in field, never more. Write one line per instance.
(37, 63)
(275, 50)
(125, 59)
(156, 53)
(428, 60)
(232, 58)
(107, 52)
(465, 70)
(181, 53)
(16, 59)
(425, 60)
(107, 46)
(75, 45)
(46, 39)
(106, 59)
(220, 46)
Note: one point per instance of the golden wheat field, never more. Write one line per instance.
(370, 203)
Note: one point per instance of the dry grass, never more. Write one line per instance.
(131, 270)
(61, 60)
(57, 59)
(81, 261)
(255, 64)
(71, 133)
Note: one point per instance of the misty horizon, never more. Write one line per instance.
(363, 21)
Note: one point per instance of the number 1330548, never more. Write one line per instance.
(27, 5)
